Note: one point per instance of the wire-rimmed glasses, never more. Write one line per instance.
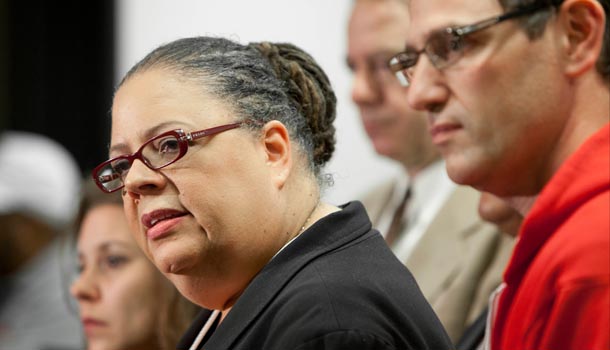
(156, 153)
(444, 47)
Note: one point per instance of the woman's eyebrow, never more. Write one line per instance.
(146, 135)
(106, 246)
(118, 147)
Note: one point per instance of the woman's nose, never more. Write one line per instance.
(140, 179)
(85, 287)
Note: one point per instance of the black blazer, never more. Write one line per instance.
(337, 286)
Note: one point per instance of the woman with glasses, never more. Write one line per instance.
(218, 148)
(125, 303)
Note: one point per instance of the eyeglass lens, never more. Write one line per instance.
(156, 154)
(110, 176)
(444, 48)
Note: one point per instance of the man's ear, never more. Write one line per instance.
(277, 147)
(583, 23)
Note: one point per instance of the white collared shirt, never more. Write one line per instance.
(430, 189)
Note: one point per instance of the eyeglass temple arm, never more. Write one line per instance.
(211, 131)
(508, 15)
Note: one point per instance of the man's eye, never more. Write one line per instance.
(439, 46)
(455, 44)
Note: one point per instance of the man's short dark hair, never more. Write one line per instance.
(534, 27)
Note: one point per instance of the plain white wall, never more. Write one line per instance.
(317, 26)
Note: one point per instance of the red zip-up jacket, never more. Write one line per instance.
(557, 293)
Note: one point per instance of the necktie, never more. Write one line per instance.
(397, 220)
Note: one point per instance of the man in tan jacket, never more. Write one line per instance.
(436, 231)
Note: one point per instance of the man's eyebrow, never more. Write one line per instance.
(382, 55)
(433, 31)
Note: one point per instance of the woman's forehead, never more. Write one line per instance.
(104, 227)
(153, 102)
(154, 92)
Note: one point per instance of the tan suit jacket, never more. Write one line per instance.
(458, 261)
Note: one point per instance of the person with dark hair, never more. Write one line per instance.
(124, 301)
(518, 101)
(435, 230)
(217, 148)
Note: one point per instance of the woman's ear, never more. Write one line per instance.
(276, 142)
(583, 27)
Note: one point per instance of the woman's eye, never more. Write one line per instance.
(169, 145)
(114, 261)
(121, 167)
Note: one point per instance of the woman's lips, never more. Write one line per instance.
(91, 324)
(154, 217)
(162, 228)
(160, 222)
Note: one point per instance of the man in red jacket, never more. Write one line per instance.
(518, 100)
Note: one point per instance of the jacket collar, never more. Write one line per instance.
(327, 234)
(582, 176)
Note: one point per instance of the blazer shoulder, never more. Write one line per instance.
(376, 199)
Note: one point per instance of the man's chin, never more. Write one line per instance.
(384, 149)
(458, 170)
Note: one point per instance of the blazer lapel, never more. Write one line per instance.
(325, 235)
(438, 255)
(378, 199)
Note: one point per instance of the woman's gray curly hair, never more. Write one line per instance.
(262, 81)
